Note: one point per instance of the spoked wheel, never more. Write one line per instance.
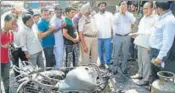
(31, 87)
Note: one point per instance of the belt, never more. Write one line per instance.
(93, 36)
(121, 35)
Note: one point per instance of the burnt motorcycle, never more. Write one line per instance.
(82, 79)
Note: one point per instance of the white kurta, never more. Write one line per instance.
(59, 41)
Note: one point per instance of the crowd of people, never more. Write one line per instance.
(82, 36)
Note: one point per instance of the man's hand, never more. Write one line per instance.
(51, 29)
(76, 40)
(28, 56)
(133, 35)
(10, 56)
(63, 24)
(147, 49)
(6, 45)
(157, 61)
(85, 49)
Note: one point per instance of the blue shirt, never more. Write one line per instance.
(49, 40)
(163, 35)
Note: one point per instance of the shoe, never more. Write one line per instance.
(124, 72)
(136, 76)
(102, 66)
(109, 68)
(131, 59)
(141, 83)
(114, 72)
(148, 88)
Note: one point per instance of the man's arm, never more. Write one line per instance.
(44, 34)
(115, 23)
(75, 20)
(23, 43)
(168, 38)
(5, 45)
(115, 20)
(77, 35)
(130, 17)
(41, 33)
(23, 40)
(81, 25)
(56, 26)
(66, 35)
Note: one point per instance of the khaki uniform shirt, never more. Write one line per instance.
(87, 26)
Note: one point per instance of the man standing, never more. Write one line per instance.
(57, 22)
(88, 36)
(16, 51)
(137, 15)
(162, 39)
(76, 19)
(71, 39)
(30, 42)
(47, 37)
(142, 41)
(6, 38)
(104, 28)
(123, 21)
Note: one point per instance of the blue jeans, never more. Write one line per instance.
(132, 50)
(50, 57)
(105, 46)
(5, 76)
(72, 55)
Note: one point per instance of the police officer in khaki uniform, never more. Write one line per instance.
(88, 36)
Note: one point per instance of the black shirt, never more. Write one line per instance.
(70, 30)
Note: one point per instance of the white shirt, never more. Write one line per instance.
(16, 41)
(35, 28)
(123, 23)
(29, 41)
(56, 22)
(104, 24)
(145, 28)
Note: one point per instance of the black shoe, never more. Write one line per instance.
(124, 72)
(102, 66)
(141, 83)
(115, 72)
(131, 59)
(109, 68)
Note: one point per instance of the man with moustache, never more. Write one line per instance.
(103, 21)
(142, 41)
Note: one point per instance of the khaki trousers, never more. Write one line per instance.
(92, 54)
(144, 63)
